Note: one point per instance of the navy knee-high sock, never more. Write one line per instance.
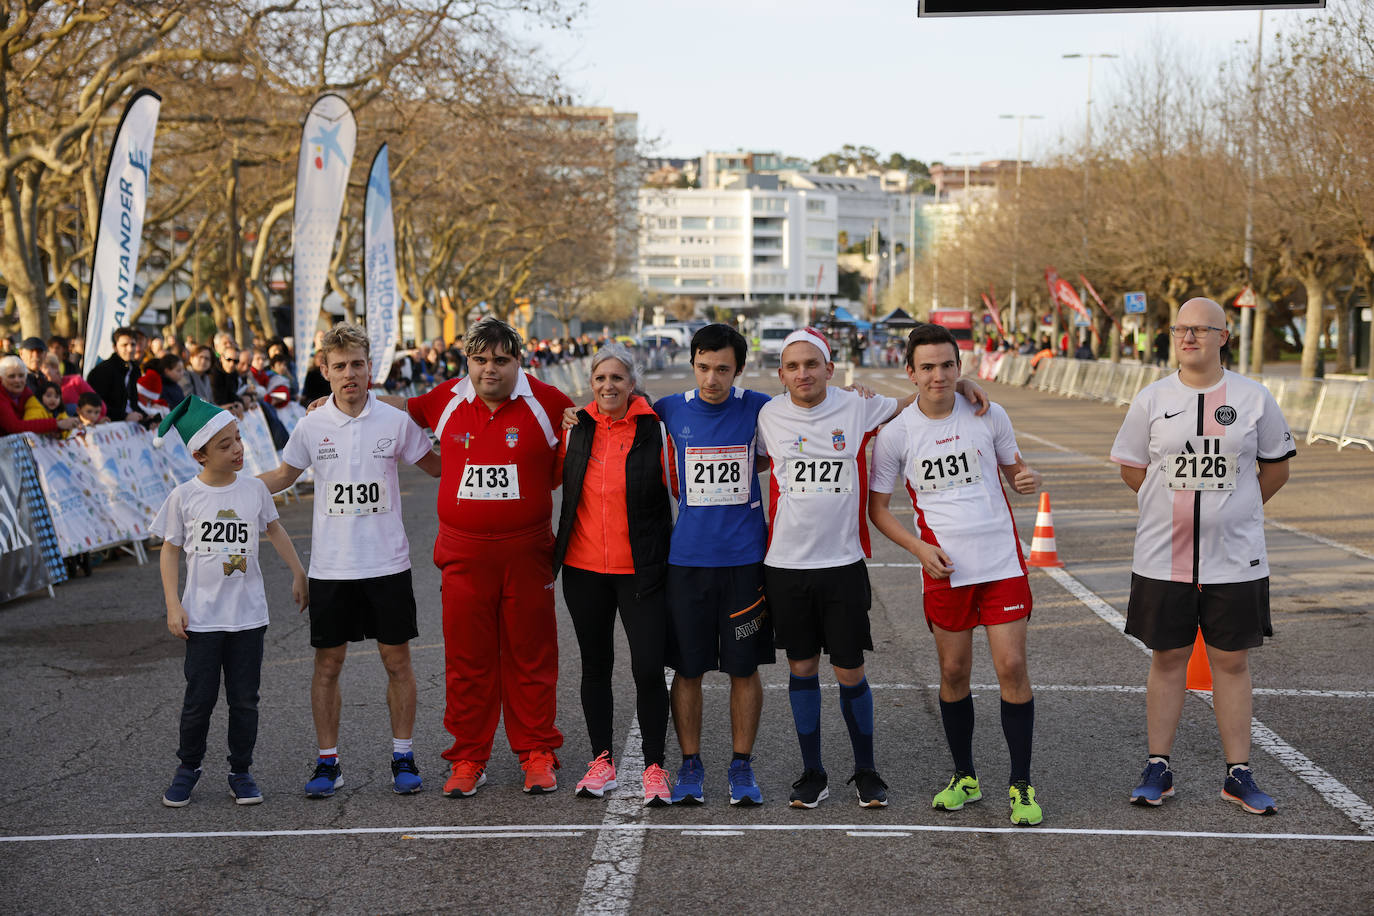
(957, 718)
(856, 704)
(805, 695)
(1018, 725)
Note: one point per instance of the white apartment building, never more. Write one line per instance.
(739, 249)
(861, 201)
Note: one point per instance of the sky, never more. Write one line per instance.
(806, 77)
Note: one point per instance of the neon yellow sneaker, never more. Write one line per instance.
(1024, 811)
(961, 790)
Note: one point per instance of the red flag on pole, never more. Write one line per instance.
(992, 310)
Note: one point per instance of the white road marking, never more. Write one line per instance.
(713, 833)
(1304, 692)
(641, 829)
(497, 835)
(1332, 790)
(878, 832)
(609, 886)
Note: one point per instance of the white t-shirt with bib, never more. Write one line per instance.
(819, 478)
(218, 528)
(1201, 515)
(357, 532)
(950, 470)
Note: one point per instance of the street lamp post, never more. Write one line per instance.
(1087, 159)
(1252, 157)
(1016, 232)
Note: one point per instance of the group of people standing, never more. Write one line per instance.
(662, 521)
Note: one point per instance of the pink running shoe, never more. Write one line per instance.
(658, 788)
(600, 777)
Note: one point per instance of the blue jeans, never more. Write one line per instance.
(239, 655)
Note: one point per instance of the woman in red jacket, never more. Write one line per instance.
(613, 532)
(13, 374)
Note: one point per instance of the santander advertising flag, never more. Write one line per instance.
(120, 231)
(379, 267)
(326, 156)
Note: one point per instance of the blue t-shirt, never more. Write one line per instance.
(720, 511)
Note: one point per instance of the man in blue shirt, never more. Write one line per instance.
(718, 616)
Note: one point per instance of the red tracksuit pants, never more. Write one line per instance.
(500, 642)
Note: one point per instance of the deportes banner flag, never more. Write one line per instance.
(379, 267)
(991, 305)
(1062, 291)
(326, 156)
(120, 230)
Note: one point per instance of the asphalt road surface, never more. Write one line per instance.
(92, 686)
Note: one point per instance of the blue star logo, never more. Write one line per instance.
(328, 142)
(378, 191)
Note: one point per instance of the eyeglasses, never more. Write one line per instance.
(1199, 331)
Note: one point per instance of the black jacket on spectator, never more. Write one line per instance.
(315, 387)
(117, 384)
(224, 386)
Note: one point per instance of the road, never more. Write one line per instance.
(92, 685)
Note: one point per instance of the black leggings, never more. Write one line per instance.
(592, 601)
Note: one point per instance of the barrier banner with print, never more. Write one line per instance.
(990, 364)
(29, 555)
(259, 454)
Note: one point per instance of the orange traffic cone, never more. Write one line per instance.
(1043, 551)
(1199, 669)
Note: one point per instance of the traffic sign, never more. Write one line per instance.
(1247, 299)
(1135, 303)
(1081, 321)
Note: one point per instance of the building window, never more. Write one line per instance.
(821, 246)
(694, 222)
(770, 205)
(695, 282)
(665, 222)
(663, 281)
(658, 260)
(695, 262)
(727, 222)
(772, 243)
(729, 260)
(815, 206)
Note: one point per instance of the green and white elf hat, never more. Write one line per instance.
(193, 422)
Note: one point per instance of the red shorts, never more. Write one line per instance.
(981, 604)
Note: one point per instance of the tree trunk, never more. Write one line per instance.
(1312, 339)
(1259, 329)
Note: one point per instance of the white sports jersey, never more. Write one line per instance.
(357, 531)
(950, 469)
(1201, 518)
(218, 529)
(819, 479)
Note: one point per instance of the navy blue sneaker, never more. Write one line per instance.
(810, 790)
(178, 794)
(1156, 784)
(405, 775)
(744, 788)
(1240, 788)
(244, 789)
(870, 788)
(327, 778)
(691, 777)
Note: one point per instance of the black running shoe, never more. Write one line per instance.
(809, 791)
(871, 789)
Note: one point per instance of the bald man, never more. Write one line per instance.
(1203, 449)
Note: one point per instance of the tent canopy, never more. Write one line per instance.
(898, 318)
(841, 317)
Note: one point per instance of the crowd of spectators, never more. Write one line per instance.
(147, 375)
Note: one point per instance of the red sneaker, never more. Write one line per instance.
(539, 767)
(467, 776)
(658, 788)
(600, 777)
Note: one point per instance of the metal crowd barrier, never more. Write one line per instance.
(1340, 411)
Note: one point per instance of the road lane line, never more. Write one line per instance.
(609, 886)
(498, 835)
(1332, 790)
(642, 828)
(1305, 692)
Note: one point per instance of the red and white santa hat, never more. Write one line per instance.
(150, 393)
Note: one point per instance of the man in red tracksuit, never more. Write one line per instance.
(498, 446)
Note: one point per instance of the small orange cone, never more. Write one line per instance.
(1199, 669)
(1043, 551)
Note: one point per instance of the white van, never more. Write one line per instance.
(772, 330)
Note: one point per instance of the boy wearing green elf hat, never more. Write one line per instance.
(216, 518)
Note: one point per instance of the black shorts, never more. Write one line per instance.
(350, 610)
(1167, 615)
(718, 620)
(817, 610)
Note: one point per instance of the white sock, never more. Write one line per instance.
(329, 751)
(401, 745)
